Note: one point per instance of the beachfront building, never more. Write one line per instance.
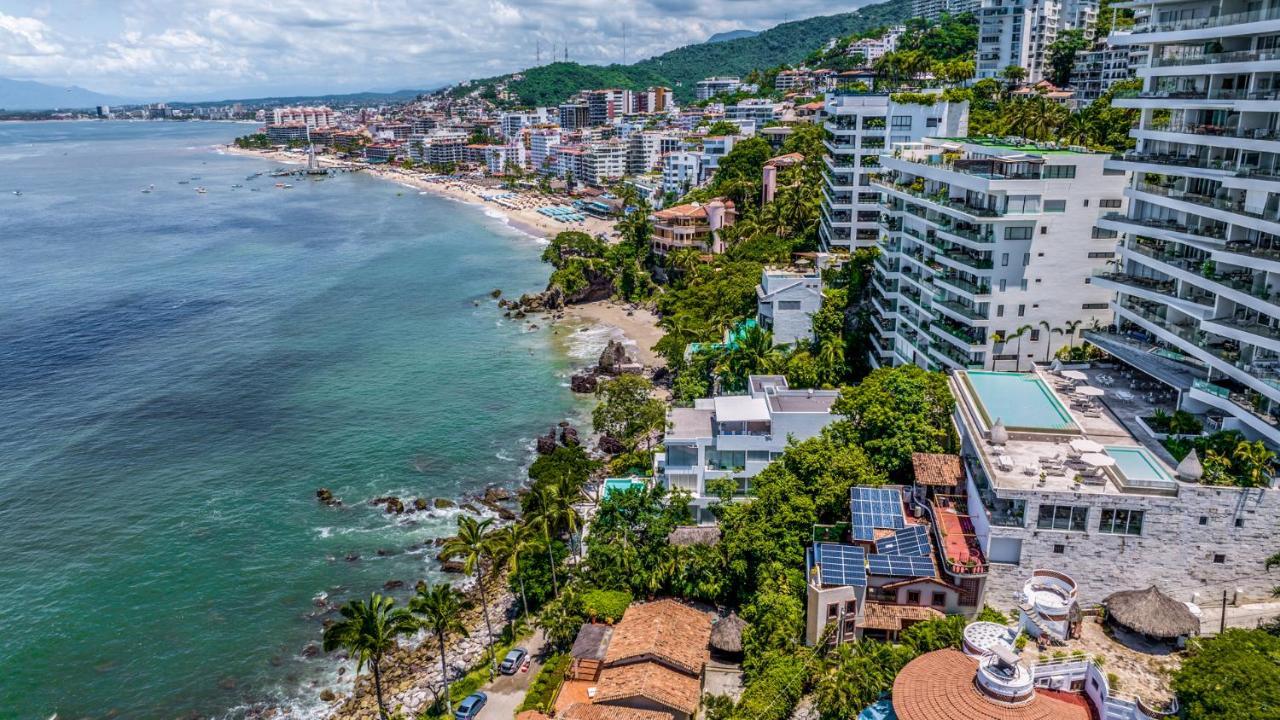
(1200, 257)
(733, 437)
(1052, 480)
(384, 152)
(860, 127)
(693, 226)
(681, 172)
(286, 133)
(786, 302)
(603, 163)
(713, 86)
(312, 117)
(500, 159)
(988, 252)
(541, 141)
(880, 573)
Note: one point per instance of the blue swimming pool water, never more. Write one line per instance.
(612, 485)
(882, 710)
(1020, 400)
(1137, 464)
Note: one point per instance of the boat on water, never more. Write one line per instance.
(184, 182)
(146, 190)
(201, 190)
(236, 186)
(17, 192)
(285, 186)
(279, 184)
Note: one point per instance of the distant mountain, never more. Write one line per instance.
(28, 95)
(732, 35)
(789, 43)
(334, 100)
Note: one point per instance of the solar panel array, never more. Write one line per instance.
(911, 540)
(842, 564)
(872, 508)
(900, 565)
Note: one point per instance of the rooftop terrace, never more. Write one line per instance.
(1017, 145)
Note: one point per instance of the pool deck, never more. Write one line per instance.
(1027, 447)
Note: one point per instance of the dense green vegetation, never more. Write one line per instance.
(682, 68)
(1233, 675)
(256, 141)
(1099, 126)
(1227, 458)
(542, 691)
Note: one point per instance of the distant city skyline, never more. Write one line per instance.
(213, 49)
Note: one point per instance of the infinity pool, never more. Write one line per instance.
(1019, 400)
(1136, 464)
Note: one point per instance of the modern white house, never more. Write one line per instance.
(785, 304)
(1199, 274)
(861, 126)
(681, 171)
(712, 86)
(734, 437)
(1019, 32)
(989, 251)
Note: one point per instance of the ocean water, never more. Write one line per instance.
(180, 372)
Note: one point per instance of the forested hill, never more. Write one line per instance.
(788, 43)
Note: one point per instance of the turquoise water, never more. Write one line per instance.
(882, 710)
(1020, 400)
(1137, 464)
(612, 485)
(180, 372)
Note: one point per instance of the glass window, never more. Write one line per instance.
(788, 304)
(1110, 202)
(758, 455)
(1119, 521)
(1052, 172)
(901, 122)
(1022, 232)
(939, 599)
(913, 597)
(1055, 206)
(1062, 517)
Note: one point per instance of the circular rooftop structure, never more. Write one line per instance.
(949, 685)
(981, 637)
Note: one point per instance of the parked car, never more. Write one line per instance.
(512, 662)
(470, 706)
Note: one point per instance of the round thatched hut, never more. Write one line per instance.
(726, 636)
(1152, 613)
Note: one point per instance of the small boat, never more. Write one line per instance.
(286, 186)
(201, 190)
(236, 186)
(279, 184)
(184, 182)
(17, 192)
(146, 190)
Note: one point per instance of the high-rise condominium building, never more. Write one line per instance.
(1198, 284)
(861, 126)
(987, 252)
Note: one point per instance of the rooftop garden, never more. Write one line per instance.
(1227, 458)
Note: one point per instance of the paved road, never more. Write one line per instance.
(507, 691)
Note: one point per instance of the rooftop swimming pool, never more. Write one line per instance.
(612, 485)
(1138, 467)
(1019, 400)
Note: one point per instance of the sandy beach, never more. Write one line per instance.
(638, 325)
(518, 207)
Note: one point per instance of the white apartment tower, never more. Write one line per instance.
(1016, 32)
(860, 126)
(1199, 274)
(982, 242)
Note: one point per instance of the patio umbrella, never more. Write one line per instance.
(1081, 445)
(1190, 468)
(1075, 375)
(999, 435)
(1091, 391)
(1097, 460)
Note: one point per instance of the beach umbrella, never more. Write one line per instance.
(1090, 391)
(999, 436)
(1082, 445)
(1190, 468)
(1075, 375)
(1097, 460)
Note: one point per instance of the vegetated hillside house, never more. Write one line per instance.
(1199, 279)
(1053, 484)
(861, 127)
(880, 573)
(712, 86)
(982, 240)
(785, 304)
(734, 437)
(693, 226)
(931, 10)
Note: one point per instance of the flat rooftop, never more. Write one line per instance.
(1002, 144)
(690, 423)
(799, 401)
(1018, 463)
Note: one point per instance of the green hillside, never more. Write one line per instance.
(789, 43)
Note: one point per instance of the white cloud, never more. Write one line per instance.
(180, 49)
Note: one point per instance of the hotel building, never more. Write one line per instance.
(1198, 280)
(859, 128)
(988, 252)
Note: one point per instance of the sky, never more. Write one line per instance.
(210, 49)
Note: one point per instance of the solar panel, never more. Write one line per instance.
(842, 564)
(872, 508)
(900, 565)
(911, 540)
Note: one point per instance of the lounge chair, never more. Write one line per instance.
(1004, 462)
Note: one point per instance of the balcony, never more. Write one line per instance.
(961, 309)
(939, 199)
(1216, 232)
(971, 260)
(966, 335)
(963, 286)
(1226, 204)
(1237, 401)
(956, 537)
(959, 358)
(1223, 131)
(1241, 56)
(1226, 353)
(1205, 23)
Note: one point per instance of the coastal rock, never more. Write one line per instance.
(502, 513)
(613, 359)
(547, 443)
(420, 504)
(496, 292)
(393, 585)
(452, 566)
(610, 445)
(327, 695)
(443, 503)
(470, 508)
(352, 557)
(393, 503)
(569, 437)
(583, 382)
(325, 496)
(227, 683)
(496, 494)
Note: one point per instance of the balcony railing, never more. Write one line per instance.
(970, 287)
(959, 308)
(1216, 58)
(1210, 22)
(1198, 94)
(1213, 231)
(1215, 130)
(1240, 400)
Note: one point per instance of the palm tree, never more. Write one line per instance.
(509, 542)
(830, 357)
(1071, 326)
(472, 544)
(440, 608)
(368, 631)
(1013, 74)
(997, 338)
(568, 493)
(1049, 330)
(754, 354)
(541, 514)
(1017, 335)
(1256, 459)
(1076, 129)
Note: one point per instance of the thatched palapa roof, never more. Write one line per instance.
(726, 634)
(687, 535)
(1152, 613)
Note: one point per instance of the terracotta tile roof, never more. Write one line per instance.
(583, 711)
(651, 681)
(940, 686)
(531, 715)
(691, 210)
(665, 631)
(885, 616)
(785, 160)
(937, 469)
